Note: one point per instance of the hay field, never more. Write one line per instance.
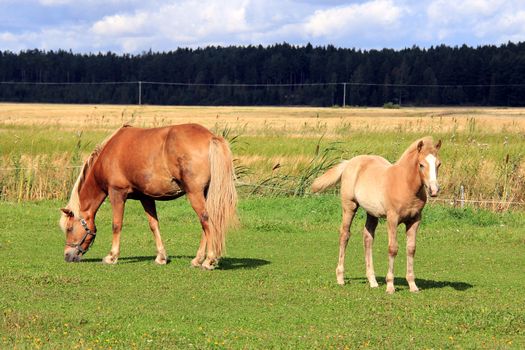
(254, 120)
(278, 149)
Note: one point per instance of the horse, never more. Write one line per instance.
(161, 163)
(396, 191)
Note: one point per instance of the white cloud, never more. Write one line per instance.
(486, 21)
(184, 22)
(137, 25)
(364, 17)
(120, 25)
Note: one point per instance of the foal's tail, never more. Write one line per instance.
(330, 178)
(221, 201)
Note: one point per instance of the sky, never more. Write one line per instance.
(135, 26)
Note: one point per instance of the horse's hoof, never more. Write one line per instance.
(207, 265)
(196, 263)
(374, 284)
(414, 290)
(109, 260)
(340, 281)
(390, 289)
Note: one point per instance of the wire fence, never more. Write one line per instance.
(144, 91)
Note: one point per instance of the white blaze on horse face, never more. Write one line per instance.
(432, 174)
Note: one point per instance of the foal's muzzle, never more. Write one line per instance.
(433, 189)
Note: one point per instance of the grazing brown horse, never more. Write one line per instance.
(395, 191)
(154, 164)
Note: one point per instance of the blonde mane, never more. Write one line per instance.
(74, 201)
(428, 145)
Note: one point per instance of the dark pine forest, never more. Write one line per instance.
(441, 75)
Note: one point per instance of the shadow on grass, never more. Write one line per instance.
(241, 263)
(125, 259)
(225, 263)
(421, 283)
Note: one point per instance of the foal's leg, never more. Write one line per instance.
(411, 251)
(392, 222)
(349, 209)
(117, 201)
(198, 202)
(368, 241)
(151, 212)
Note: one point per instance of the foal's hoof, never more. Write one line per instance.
(340, 275)
(110, 260)
(161, 260)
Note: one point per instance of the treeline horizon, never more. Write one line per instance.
(486, 75)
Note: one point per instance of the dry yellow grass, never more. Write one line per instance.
(484, 147)
(254, 120)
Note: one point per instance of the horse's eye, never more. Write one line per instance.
(421, 166)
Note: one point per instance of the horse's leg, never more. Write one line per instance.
(198, 203)
(392, 222)
(151, 212)
(201, 252)
(368, 241)
(349, 209)
(411, 251)
(117, 200)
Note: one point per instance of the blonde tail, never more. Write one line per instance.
(330, 178)
(221, 201)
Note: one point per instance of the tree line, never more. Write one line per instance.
(440, 75)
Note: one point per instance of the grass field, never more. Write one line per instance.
(276, 287)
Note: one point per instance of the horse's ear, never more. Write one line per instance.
(420, 146)
(67, 212)
(438, 145)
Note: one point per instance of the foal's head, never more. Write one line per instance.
(79, 237)
(428, 163)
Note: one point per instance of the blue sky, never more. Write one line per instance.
(133, 26)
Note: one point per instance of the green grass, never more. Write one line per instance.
(276, 287)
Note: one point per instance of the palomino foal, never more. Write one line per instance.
(395, 191)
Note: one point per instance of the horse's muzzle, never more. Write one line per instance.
(72, 255)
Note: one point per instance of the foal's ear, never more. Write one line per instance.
(420, 146)
(67, 212)
(438, 145)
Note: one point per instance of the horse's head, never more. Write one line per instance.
(79, 236)
(428, 162)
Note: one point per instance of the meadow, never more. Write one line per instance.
(278, 150)
(276, 286)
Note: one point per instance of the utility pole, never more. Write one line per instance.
(344, 95)
(140, 92)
